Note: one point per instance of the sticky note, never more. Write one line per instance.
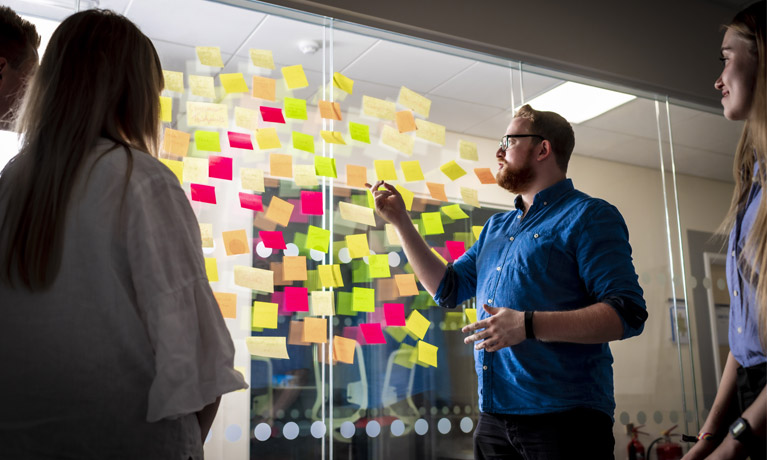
(196, 170)
(294, 268)
(233, 83)
(202, 86)
(295, 108)
(484, 175)
(227, 302)
(470, 196)
(358, 245)
(332, 137)
(412, 100)
(379, 266)
(166, 109)
(330, 275)
(219, 167)
(432, 222)
(315, 330)
(175, 142)
(206, 235)
(439, 256)
(405, 121)
(281, 165)
(174, 81)
(329, 110)
(471, 314)
(177, 167)
(343, 82)
(211, 269)
(252, 202)
(295, 77)
(252, 179)
(396, 140)
(394, 314)
(429, 131)
(427, 354)
(296, 333)
(476, 230)
(467, 150)
(455, 248)
(272, 239)
(356, 176)
(385, 170)
(359, 132)
(325, 166)
(378, 108)
(279, 211)
(210, 55)
(239, 140)
(411, 170)
(207, 140)
(267, 139)
(303, 142)
(322, 303)
(355, 213)
(454, 212)
(343, 349)
(405, 351)
(264, 315)
(254, 278)
(363, 299)
(311, 203)
(407, 196)
(406, 285)
(203, 193)
(262, 58)
(452, 170)
(264, 88)
(272, 114)
(235, 242)
(372, 333)
(207, 115)
(246, 119)
(317, 239)
(267, 347)
(417, 324)
(296, 299)
(392, 238)
(305, 176)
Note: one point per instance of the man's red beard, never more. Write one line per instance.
(515, 180)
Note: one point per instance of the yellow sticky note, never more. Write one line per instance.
(379, 266)
(322, 303)
(264, 88)
(343, 83)
(252, 179)
(332, 137)
(437, 191)
(476, 230)
(325, 166)
(429, 131)
(385, 170)
(396, 140)
(294, 268)
(267, 139)
(166, 109)
(295, 77)
(262, 58)
(176, 166)
(174, 81)
(317, 239)
(417, 324)
(467, 150)
(330, 275)
(432, 222)
(343, 349)
(279, 211)
(412, 100)
(359, 132)
(363, 299)
(358, 245)
(406, 284)
(202, 86)
(227, 302)
(305, 175)
(281, 165)
(233, 82)
(405, 121)
(454, 212)
(303, 142)
(196, 170)
(211, 269)
(268, 347)
(452, 170)
(175, 142)
(378, 108)
(206, 235)
(407, 196)
(427, 354)
(254, 278)
(210, 55)
(235, 242)
(471, 314)
(470, 196)
(295, 108)
(392, 237)
(246, 118)
(265, 315)
(206, 114)
(315, 330)
(355, 213)
(411, 170)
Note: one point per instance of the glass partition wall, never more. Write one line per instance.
(275, 119)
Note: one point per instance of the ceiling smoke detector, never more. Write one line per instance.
(308, 46)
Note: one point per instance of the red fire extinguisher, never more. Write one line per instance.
(667, 449)
(635, 449)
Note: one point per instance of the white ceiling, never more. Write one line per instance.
(468, 96)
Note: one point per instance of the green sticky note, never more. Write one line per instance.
(454, 212)
(360, 271)
(423, 301)
(312, 282)
(325, 166)
(344, 304)
(432, 223)
(207, 140)
(303, 142)
(379, 265)
(454, 320)
(295, 108)
(299, 239)
(363, 299)
(318, 239)
(465, 237)
(359, 132)
(398, 333)
(452, 170)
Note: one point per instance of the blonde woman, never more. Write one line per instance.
(111, 342)
(735, 428)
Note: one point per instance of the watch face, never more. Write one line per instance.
(738, 427)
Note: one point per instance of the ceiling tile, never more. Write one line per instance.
(708, 132)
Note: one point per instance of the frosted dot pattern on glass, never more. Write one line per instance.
(318, 429)
(290, 430)
(291, 251)
(343, 255)
(641, 418)
(347, 430)
(673, 416)
(657, 417)
(316, 255)
(233, 433)
(467, 424)
(692, 282)
(262, 432)
(721, 284)
(294, 413)
(373, 429)
(262, 251)
(624, 418)
(394, 259)
(444, 425)
(397, 427)
(421, 427)
(707, 283)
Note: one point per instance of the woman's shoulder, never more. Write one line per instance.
(113, 158)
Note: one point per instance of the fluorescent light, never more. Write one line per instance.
(577, 102)
(45, 28)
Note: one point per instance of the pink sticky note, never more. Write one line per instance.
(372, 332)
(250, 201)
(296, 299)
(220, 167)
(297, 217)
(273, 240)
(444, 253)
(395, 314)
(354, 332)
(456, 248)
(240, 140)
(203, 193)
(278, 297)
(311, 203)
(272, 114)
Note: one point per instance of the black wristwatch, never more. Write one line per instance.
(741, 431)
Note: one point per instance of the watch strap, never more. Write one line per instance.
(529, 333)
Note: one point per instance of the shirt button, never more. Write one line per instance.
(740, 330)
(535, 236)
(545, 203)
(735, 292)
(484, 368)
(498, 268)
(519, 216)
(511, 239)
(489, 300)
(733, 253)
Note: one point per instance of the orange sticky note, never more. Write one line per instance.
(279, 211)
(315, 330)
(294, 268)
(343, 349)
(437, 191)
(484, 175)
(281, 165)
(227, 302)
(356, 176)
(296, 333)
(175, 142)
(235, 242)
(405, 121)
(264, 88)
(330, 110)
(406, 284)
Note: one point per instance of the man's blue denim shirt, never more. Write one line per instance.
(570, 251)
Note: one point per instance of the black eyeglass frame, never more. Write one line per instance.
(505, 139)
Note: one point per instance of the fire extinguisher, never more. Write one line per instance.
(667, 449)
(635, 449)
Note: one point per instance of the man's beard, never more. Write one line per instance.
(516, 180)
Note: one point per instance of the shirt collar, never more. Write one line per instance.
(548, 195)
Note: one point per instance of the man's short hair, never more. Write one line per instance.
(19, 39)
(554, 128)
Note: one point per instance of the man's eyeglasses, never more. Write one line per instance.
(505, 140)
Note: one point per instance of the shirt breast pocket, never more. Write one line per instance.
(531, 256)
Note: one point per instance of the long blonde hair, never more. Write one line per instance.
(749, 24)
(100, 77)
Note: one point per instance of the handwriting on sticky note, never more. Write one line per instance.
(196, 170)
(219, 167)
(396, 140)
(378, 108)
(264, 315)
(295, 77)
(470, 196)
(343, 82)
(417, 324)
(246, 119)
(206, 235)
(295, 108)
(262, 58)
(252, 202)
(174, 81)
(264, 88)
(268, 347)
(175, 142)
(206, 115)
(429, 131)
(203, 193)
(235, 242)
(233, 82)
(210, 55)
(412, 100)
(202, 86)
(227, 302)
(252, 179)
(355, 213)
(254, 278)
(467, 150)
(279, 211)
(207, 140)
(267, 139)
(452, 170)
